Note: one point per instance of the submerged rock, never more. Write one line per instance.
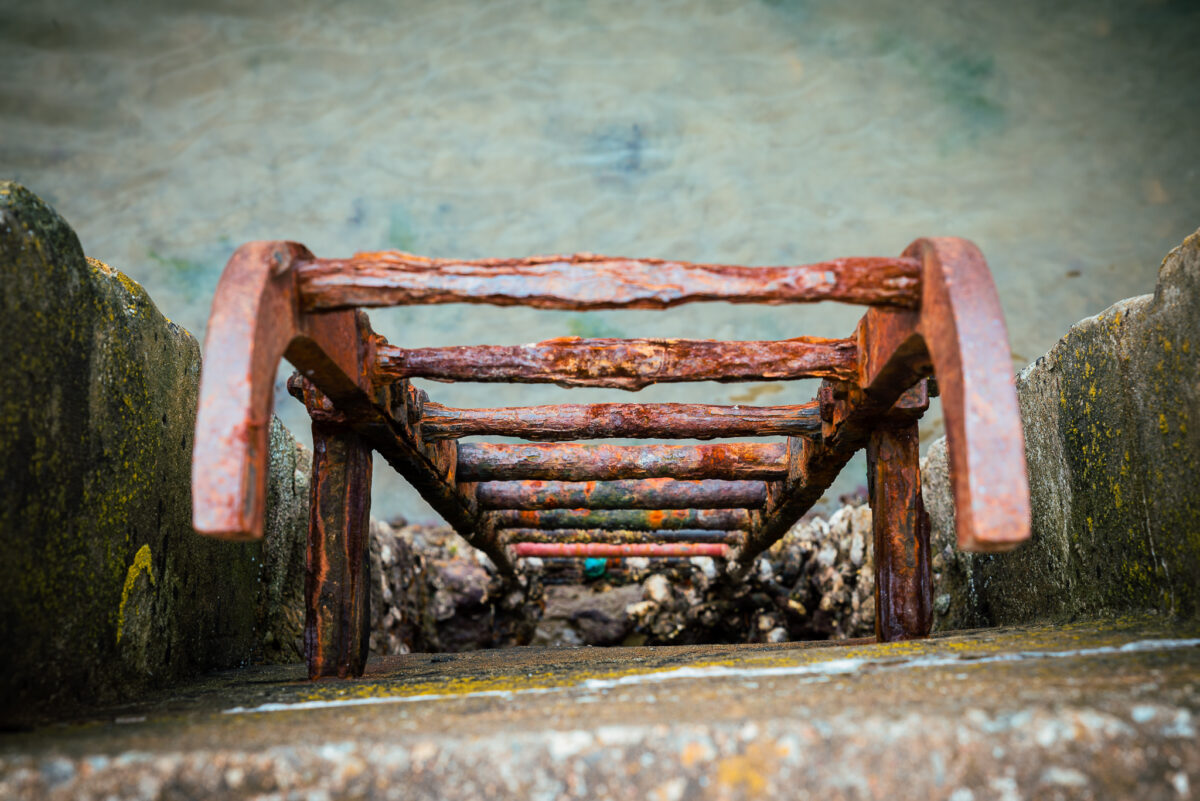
(104, 586)
(1112, 439)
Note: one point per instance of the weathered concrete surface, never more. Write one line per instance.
(104, 587)
(1112, 438)
(1079, 712)
(279, 621)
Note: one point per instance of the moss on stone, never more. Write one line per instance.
(97, 417)
(1113, 455)
(281, 595)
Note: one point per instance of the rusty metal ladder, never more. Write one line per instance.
(934, 324)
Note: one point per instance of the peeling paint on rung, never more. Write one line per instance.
(621, 550)
(587, 281)
(735, 460)
(632, 420)
(622, 536)
(632, 519)
(629, 364)
(645, 493)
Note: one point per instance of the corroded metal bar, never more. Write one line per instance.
(958, 333)
(962, 325)
(814, 464)
(428, 467)
(599, 420)
(338, 576)
(587, 281)
(551, 549)
(903, 573)
(254, 323)
(623, 363)
(646, 493)
(513, 535)
(634, 519)
(736, 460)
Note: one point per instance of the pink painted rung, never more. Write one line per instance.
(568, 549)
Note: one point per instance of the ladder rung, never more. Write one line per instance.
(570, 462)
(645, 493)
(624, 363)
(599, 420)
(552, 549)
(588, 281)
(620, 536)
(633, 519)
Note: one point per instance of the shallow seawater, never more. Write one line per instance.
(1060, 137)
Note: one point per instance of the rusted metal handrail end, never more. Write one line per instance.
(255, 321)
(962, 323)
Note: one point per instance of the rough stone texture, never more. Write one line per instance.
(816, 583)
(282, 561)
(589, 614)
(430, 591)
(104, 587)
(1075, 712)
(1112, 437)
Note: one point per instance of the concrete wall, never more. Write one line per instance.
(104, 587)
(1112, 439)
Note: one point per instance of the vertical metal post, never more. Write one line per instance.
(903, 573)
(337, 589)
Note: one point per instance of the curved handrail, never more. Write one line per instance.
(963, 327)
(255, 322)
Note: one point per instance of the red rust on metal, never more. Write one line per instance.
(959, 334)
(254, 323)
(935, 311)
(903, 571)
(620, 536)
(571, 462)
(645, 493)
(814, 464)
(963, 328)
(337, 623)
(634, 519)
(611, 550)
(587, 281)
(630, 364)
(429, 467)
(600, 420)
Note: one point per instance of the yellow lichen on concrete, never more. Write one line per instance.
(748, 772)
(141, 564)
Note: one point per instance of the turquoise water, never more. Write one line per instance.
(1061, 137)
